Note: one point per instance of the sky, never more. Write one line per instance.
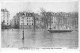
(15, 7)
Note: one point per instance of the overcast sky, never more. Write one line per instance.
(15, 7)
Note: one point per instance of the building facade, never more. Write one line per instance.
(5, 17)
(61, 21)
(26, 20)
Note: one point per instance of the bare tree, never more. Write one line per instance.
(46, 16)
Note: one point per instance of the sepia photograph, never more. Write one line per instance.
(39, 25)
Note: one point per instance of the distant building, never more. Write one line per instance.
(61, 21)
(38, 21)
(54, 22)
(5, 17)
(26, 19)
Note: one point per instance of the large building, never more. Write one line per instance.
(5, 17)
(61, 21)
(53, 23)
(26, 20)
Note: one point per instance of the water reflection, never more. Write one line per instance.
(38, 38)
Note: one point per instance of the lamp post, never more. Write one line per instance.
(23, 27)
(34, 21)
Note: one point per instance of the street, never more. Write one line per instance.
(12, 38)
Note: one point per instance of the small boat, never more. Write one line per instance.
(59, 30)
(55, 31)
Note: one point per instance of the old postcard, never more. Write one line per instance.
(45, 25)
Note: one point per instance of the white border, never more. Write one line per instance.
(7, 50)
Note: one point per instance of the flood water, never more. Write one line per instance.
(12, 38)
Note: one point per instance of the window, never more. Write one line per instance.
(27, 23)
(26, 14)
(32, 23)
(27, 20)
(7, 23)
